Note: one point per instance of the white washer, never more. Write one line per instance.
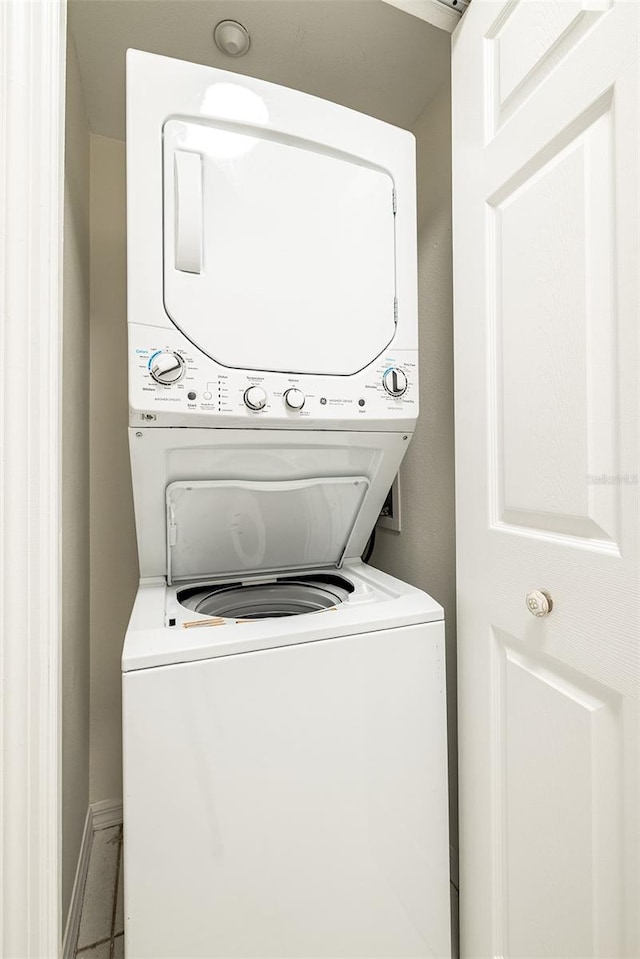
(285, 779)
(284, 707)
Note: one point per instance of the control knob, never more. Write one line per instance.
(394, 381)
(294, 399)
(167, 368)
(255, 398)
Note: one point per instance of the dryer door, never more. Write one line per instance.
(278, 254)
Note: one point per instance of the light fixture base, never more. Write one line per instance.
(231, 38)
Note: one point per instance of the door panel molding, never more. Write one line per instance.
(543, 442)
(525, 44)
(558, 739)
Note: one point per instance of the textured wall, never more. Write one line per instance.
(424, 552)
(75, 481)
(114, 563)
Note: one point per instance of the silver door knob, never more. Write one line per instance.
(539, 603)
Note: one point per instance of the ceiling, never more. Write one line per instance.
(364, 54)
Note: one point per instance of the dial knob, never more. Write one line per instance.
(394, 381)
(255, 398)
(294, 399)
(167, 368)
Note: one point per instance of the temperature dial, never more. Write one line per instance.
(395, 381)
(294, 399)
(167, 368)
(255, 398)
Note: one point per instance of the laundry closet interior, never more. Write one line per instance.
(363, 54)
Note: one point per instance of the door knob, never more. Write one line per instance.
(539, 603)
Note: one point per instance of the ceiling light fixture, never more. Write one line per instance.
(232, 38)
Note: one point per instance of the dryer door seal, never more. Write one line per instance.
(231, 527)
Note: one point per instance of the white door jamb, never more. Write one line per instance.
(32, 78)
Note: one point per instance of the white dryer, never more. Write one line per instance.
(284, 708)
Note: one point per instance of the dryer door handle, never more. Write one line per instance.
(188, 211)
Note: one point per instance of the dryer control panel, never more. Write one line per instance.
(173, 384)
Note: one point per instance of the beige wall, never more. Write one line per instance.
(424, 552)
(75, 481)
(114, 563)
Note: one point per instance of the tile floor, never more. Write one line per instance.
(101, 933)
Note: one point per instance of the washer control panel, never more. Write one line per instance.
(167, 375)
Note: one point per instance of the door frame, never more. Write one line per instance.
(32, 109)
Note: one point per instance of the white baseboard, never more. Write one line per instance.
(100, 815)
(75, 906)
(106, 813)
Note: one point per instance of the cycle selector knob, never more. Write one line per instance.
(294, 399)
(255, 398)
(167, 368)
(395, 381)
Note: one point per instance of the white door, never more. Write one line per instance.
(545, 139)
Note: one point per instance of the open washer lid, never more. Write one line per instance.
(230, 527)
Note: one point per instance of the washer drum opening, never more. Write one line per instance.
(283, 597)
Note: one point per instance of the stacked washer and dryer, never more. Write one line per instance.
(284, 703)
